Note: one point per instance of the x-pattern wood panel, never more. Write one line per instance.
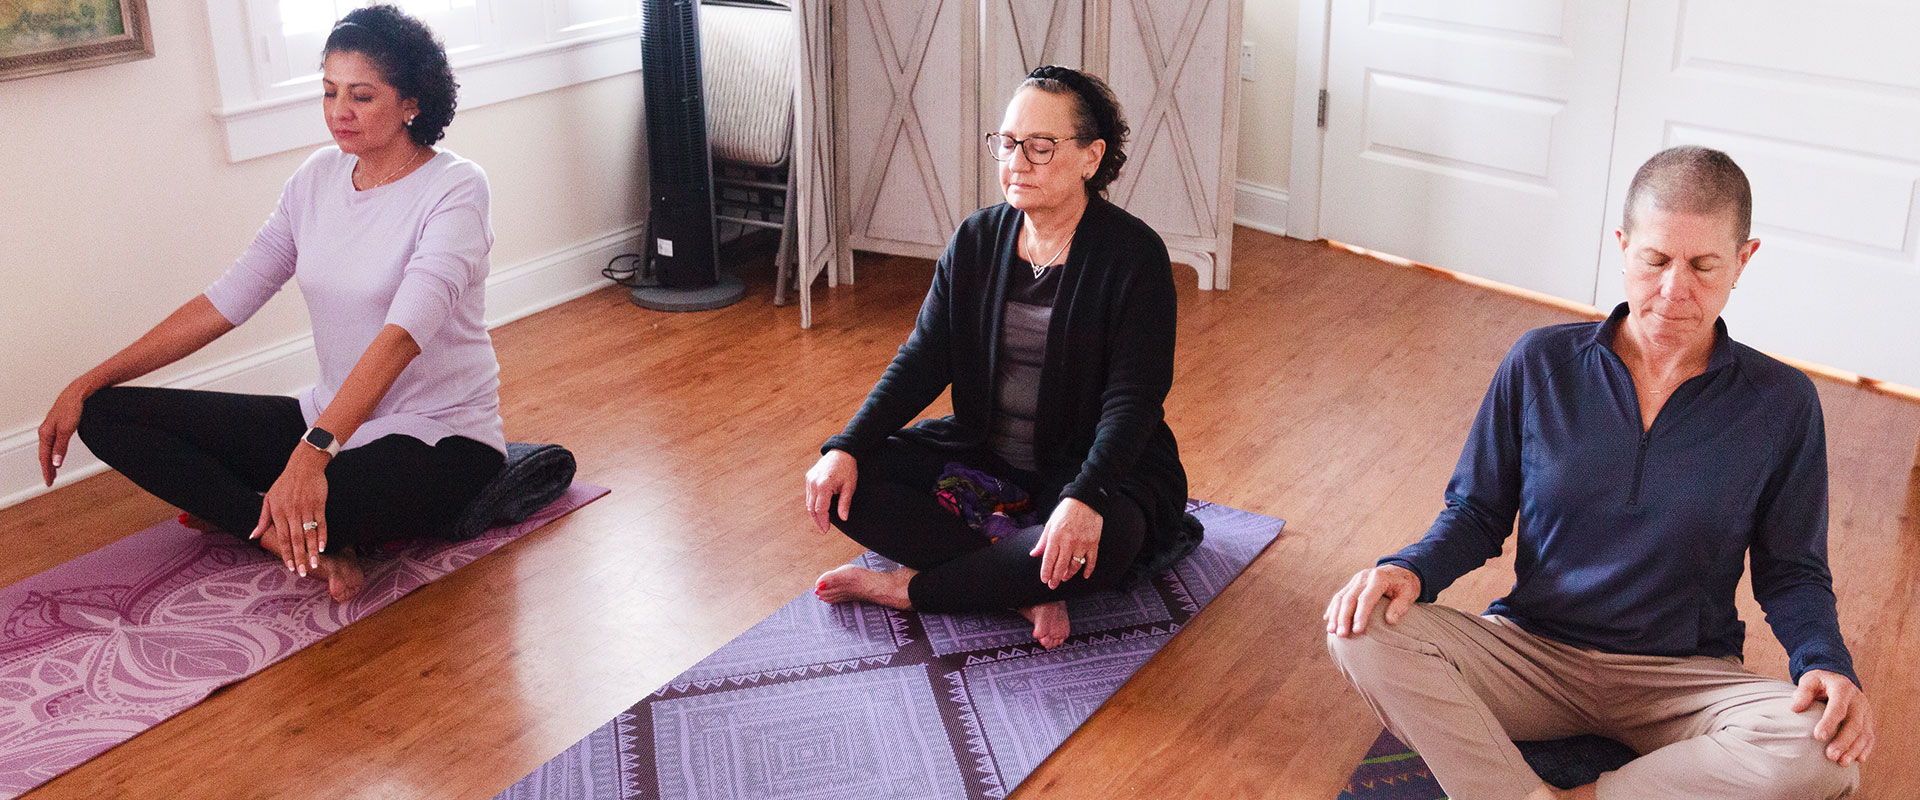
(902, 68)
(1165, 68)
(1049, 40)
(1017, 36)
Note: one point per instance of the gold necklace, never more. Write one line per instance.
(392, 175)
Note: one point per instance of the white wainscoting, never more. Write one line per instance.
(287, 367)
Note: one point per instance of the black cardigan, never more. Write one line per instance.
(1100, 427)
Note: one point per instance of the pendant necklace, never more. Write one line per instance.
(1038, 270)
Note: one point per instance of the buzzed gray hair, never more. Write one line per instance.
(1691, 179)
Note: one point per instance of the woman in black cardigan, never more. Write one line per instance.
(1052, 318)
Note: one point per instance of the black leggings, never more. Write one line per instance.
(212, 454)
(895, 514)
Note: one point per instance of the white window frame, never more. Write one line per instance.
(529, 50)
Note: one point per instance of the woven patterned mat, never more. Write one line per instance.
(860, 701)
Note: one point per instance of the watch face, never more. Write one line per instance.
(319, 438)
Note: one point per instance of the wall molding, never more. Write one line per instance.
(287, 366)
(257, 126)
(1260, 207)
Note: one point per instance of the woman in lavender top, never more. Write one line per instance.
(388, 238)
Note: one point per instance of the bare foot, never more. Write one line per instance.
(1050, 623)
(859, 583)
(342, 572)
(340, 569)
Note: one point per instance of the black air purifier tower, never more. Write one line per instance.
(682, 244)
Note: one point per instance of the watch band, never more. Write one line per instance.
(320, 439)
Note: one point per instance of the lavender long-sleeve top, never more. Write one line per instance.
(412, 253)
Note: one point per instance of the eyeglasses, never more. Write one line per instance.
(1039, 149)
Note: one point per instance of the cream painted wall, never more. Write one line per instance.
(1266, 102)
(117, 202)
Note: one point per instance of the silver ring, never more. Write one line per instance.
(1079, 559)
(309, 525)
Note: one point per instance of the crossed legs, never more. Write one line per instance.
(212, 454)
(1459, 688)
(950, 568)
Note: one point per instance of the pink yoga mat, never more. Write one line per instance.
(107, 645)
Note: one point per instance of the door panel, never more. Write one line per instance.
(1821, 107)
(1473, 135)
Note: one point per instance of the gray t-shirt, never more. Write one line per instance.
(1023, 348)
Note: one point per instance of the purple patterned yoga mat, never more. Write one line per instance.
(859, 701)
(1392, 771)
(107, 645)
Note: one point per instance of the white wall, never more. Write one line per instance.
(1266, 114)
(117, 204)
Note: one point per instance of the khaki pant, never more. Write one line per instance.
(1459, 688)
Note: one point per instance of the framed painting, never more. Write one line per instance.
(38, 37)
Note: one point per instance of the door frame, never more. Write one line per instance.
(1309, 80)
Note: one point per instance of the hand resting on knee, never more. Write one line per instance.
(1350, 608)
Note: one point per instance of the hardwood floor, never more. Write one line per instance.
(1325, 388)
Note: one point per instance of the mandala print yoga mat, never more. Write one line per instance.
(1392, 771)
(859, 701)
(107, 645)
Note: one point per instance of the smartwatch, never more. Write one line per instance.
(321, 440)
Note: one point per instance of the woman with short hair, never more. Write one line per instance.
(1641, 463)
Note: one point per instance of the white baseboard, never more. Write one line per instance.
(1260, 207)
(288, 367)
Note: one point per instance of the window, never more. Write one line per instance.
(267, 54)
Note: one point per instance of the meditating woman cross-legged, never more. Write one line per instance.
(388, 238)
(1051, 316)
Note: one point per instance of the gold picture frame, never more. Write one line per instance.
(40, 37)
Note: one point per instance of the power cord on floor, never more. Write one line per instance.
(638, 274)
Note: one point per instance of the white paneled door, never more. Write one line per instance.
(1473, 134)
(1820, 105)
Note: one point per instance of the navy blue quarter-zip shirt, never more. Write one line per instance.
(1634, 541)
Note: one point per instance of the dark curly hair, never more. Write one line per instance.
(1098, 116)
(409, 57)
